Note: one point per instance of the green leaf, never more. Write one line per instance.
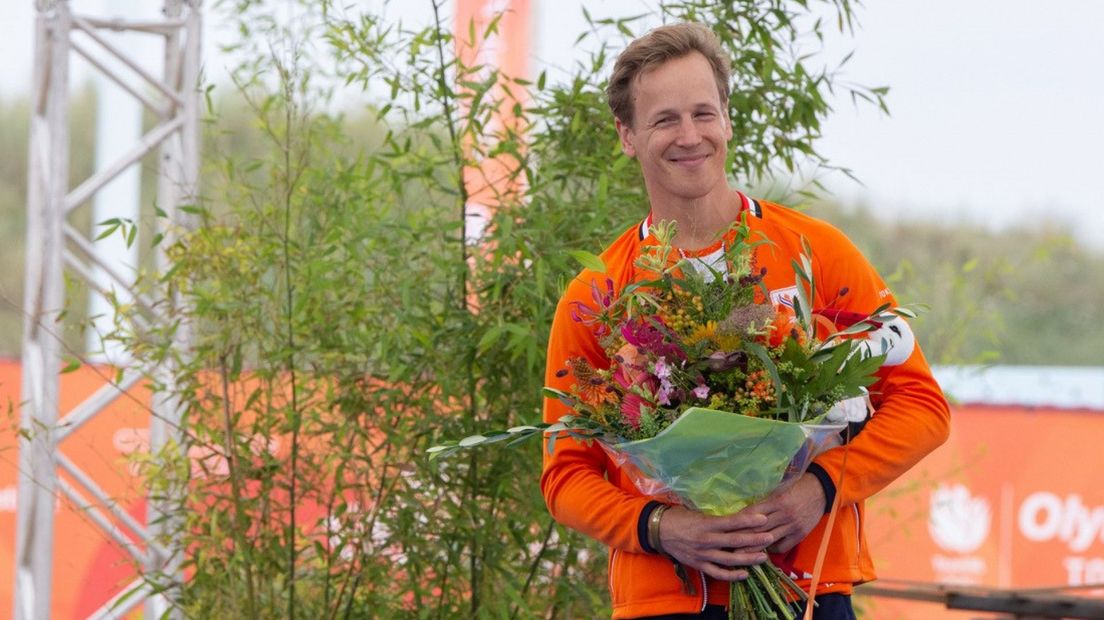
(71, 364)
(523, 428)
(473, 440)
(490, 337)
(107, 231)
(588, 260)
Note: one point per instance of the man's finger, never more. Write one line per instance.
(721, 573)
(739, 521)
(785, 543)
(738, 558)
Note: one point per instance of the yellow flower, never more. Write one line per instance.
(703, 333)
(720, 338)
(727, 341)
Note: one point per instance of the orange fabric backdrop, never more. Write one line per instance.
(1014, 499)
(89, 568)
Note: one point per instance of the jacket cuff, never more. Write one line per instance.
(642, 526)
(826, 483)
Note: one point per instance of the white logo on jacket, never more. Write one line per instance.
(783, 296)
(894, 338)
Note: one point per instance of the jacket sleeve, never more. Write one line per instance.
(578, 479)
(911, 416)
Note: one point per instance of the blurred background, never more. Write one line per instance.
(971, 183)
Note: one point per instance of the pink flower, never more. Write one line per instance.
(598, 315)
(663, 396)
(649, 334)
(661, 369)
(630, 408)
(702, 391)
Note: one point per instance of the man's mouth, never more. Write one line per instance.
(688, 160)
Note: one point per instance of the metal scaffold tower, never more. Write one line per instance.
(53, 245)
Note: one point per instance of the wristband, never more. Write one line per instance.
(653, 528)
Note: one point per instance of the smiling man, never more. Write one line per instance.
(669, 96)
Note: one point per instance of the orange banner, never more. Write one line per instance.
(1013, 500)
(89, 568)
(493, 35)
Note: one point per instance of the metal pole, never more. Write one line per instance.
(47, 235)
(177, 186)
(48, 174)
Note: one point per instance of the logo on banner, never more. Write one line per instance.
(958, 521)
(1046, 516)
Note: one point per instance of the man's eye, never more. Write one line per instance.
(706, 116)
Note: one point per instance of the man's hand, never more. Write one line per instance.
(715, 545)
(792, 513)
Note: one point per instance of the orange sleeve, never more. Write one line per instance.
(911, 416)
(574, 481)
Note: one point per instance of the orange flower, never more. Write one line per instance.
(759, 386)
(632, 362)
(596, 394)
(784, 325)
(589, 386)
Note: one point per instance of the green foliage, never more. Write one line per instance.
(1016, 297)
(342, 324)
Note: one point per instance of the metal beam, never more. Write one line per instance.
(178, 186)
(150, 141)
(48, 202)
(48, 172)
(150, 104)
(86, 248)
(123, 602)
(164, 27)
(165, 88)
(1023, 604)
(101, 398)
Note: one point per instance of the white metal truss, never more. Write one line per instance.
(44, 472)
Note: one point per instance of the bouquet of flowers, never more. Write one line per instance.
(713, 397)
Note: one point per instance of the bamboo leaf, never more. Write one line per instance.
(473, 440)
(588, 260)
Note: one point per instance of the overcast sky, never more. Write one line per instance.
(997, 106)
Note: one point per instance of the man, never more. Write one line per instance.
(669, 93)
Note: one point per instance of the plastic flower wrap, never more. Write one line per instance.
(717, 462)
(710, 396)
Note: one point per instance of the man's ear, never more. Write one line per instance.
(623, 132)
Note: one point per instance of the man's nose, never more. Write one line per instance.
(688, 134)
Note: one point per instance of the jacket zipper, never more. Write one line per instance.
(613, 558)
(705, 591)
(858, 531)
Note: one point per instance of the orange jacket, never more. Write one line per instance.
(584, 490)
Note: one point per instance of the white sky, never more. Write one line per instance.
(997, 105)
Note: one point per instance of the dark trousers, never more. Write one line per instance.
(829, 607)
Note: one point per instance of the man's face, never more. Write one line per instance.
(680, 130)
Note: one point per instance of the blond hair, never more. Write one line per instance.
(657, 47)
